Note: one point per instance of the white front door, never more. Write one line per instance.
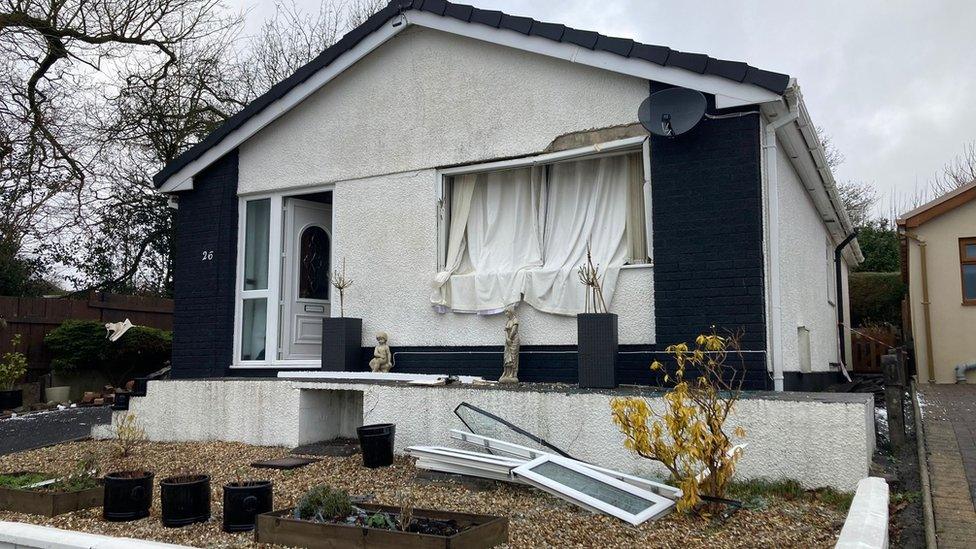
(305, 289)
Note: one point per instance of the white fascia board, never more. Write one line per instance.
(733, 93)
(178, 181)
(806, 154)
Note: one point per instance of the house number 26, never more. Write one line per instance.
(207, 255)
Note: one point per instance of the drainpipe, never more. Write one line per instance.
(839, 286)
(926, 319)
(775, 294)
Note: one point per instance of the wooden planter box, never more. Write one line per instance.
(281, 528)
(48, 503)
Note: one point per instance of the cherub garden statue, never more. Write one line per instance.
(512, 344)
(382, 355)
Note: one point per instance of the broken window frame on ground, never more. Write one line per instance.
(463, 462)
(510, 426)
(657, 506)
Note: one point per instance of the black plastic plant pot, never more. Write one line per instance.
(128, 495)
(243, 501)
(11, 399)
(121, 401)
(596, 338)
(185, 499)
(342, 344)
(376, 442)
(140, 386)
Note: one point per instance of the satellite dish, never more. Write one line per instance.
(672, 112)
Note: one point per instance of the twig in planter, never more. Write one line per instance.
(340, 282)
(406, 510)
(590, 277)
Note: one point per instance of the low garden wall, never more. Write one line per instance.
(819, 439)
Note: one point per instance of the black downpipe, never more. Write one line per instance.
(840, 295)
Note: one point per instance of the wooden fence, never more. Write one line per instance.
(33, 318)
(868, 345)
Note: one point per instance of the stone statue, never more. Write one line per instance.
(512, 344)
(382, 355)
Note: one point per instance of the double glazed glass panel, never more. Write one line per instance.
(257, 239)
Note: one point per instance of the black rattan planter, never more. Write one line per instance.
(140, 386)
(185, 499)
(597, 350)
(12, 399)
(342, 344)
(243, 501)
(128, 495)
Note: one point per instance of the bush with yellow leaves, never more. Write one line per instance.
(128, 434)
(689, 437)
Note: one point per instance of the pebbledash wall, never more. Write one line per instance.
(380, 130)
(819, 439)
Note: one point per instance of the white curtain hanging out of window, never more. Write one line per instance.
(516, 235)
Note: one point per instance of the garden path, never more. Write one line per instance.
(38, 429)
(949, 417)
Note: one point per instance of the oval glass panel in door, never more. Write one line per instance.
(313, 268)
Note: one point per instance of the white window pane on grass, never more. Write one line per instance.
(969, 281)
(254, 329)
(257, 238)
(578, 484)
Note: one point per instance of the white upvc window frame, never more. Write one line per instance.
(658, 507)
(273, 292)
(527, 453)
(620, 146)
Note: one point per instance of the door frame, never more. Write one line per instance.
(273, 292)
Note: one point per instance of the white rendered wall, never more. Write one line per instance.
(817, 439)
(428, 99)
(391, 253)
(804, 271)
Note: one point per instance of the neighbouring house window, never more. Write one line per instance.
(313, 276)
(255, 290)
(967, 258)
(521, 233)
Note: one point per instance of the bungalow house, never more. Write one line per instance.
(939, 267)
(456, 161)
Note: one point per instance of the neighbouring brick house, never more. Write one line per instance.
(456, 161)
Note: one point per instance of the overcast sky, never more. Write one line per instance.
(893, 82)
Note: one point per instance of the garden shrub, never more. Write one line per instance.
(324, 503)
(78, 345)
(876, 298)
(13, 365)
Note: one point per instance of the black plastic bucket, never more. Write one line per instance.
(185, 499)
(10, 400)
(376, 442)
(128, 495)
(243, 501)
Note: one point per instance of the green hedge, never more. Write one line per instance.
(82, 345)
(876, 297)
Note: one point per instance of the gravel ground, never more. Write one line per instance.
(36, 429)
(536, 519)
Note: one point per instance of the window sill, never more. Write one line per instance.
(638, 266)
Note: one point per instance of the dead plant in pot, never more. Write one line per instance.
(596, 331)
(342, 337)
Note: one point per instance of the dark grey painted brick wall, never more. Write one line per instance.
(203, 321)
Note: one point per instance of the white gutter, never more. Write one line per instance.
(775, 292)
